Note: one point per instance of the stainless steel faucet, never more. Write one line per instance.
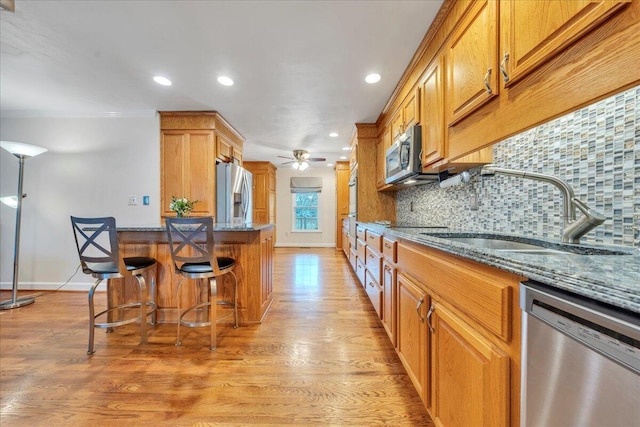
(573, 229)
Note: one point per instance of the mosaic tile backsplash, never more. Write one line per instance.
(596, 150)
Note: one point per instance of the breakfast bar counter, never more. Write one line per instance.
(251, 245)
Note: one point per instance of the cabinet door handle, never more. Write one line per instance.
(431, 310)
(420, 302)
(486, 82)
(371, 284)
(388, 246)
(503, 68)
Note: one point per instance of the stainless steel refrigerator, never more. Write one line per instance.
(234, 194)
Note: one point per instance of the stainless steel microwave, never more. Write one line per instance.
(402, 159)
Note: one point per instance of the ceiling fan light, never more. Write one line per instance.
(303, 166)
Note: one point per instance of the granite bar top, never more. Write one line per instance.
(216, 227)
(612, 279)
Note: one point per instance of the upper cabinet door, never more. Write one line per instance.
(411, 109)
(534, 31)
(432, 100)
(173, 145)
(202, 172)
(472, 61)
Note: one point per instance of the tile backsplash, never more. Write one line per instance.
(596, 150)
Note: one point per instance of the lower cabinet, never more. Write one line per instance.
(374, 291)
(389, 296)
(470, 376)
(412, 334)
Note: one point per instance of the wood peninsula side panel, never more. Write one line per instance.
(252, 250)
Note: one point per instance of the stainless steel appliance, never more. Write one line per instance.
(580, 361)
(403, 160)
(234, 194)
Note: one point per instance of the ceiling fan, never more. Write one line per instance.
(301, 159)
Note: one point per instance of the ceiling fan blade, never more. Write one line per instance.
(287, 163)
(317, 159)
(286, 157)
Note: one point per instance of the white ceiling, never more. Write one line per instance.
(298, 66)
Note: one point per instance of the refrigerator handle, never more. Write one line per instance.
(245, 198)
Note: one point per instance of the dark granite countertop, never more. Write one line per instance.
(612, 279)
(216, 227)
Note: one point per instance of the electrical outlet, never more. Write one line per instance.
(411, 206)
(133, 201)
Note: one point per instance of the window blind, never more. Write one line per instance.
(306, 184)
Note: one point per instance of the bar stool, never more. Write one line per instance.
(192, 244)
(97, 244)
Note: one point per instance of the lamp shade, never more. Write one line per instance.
(22, 149)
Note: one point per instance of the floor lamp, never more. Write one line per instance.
(21, 151)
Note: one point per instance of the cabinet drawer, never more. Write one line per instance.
(360, 234)
(373, 263)
(360, 270)
(390, 249)
(360, 250)
(374, 291)
(374, 240)
(481, 292)
(352, 257)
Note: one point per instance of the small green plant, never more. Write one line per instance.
(181, 206)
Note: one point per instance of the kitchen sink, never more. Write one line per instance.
(524, 245)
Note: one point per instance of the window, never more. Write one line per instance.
(306, 212)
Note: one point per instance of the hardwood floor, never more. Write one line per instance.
(321, 357)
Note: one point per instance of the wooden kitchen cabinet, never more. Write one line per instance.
(407, 115)
(187, 162)
(412, 343)
(389, 299)
(342, 199)
(472, 61)
(432, 115)
(228, 151)
(188, 152)
(374, 292)
(381, 167)
(534, 31)
(470, 376)
(264, 191)
(373, 205)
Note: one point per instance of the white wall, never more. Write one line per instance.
(327, 235)
(92, 166)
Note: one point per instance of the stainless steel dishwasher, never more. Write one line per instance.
(580, 361)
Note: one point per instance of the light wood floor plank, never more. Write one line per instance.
(321, 357)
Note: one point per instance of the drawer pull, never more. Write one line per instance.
(388, 246)
(371, 284)
(420, 302)
(486, 82)
(503, 69)
(431, 310)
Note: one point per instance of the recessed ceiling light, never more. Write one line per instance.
(329, 165)
(343, 157)
(372, 78)
(346, 148)
(333, 134)
(225, 81)
(162, 81)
